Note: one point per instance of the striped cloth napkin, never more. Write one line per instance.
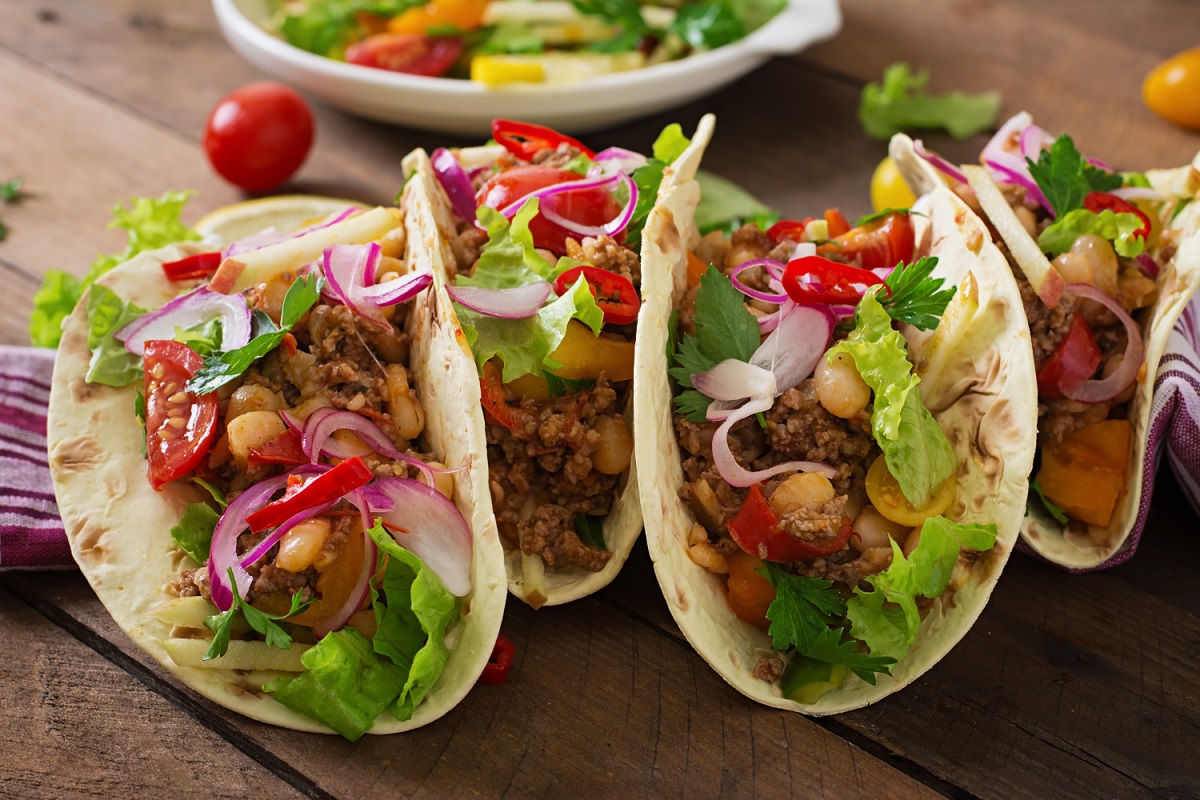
(32, 537)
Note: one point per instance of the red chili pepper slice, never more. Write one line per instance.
(492, 391)
(525, 140)
(495, 672)
(756, 530)
(790, 229)
(1072, 362)
(200, 265)
(1103, 201)
(614, 293)
(836, 222)
(285, 448)
(833, 282)
(345, 477)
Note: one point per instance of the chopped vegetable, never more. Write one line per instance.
(1074, 361)
(525, 140)
(260, 621)
(326, 487)
(615, 294)
(111, 364)
(1057, 513)
(495, 672)
(181, 425)
(1065, 177)
(193, 533)
(1084, 473)
(901, 103)
(200, 265)
(750, 593)
(813, 279)
(1124, 230)
(756, 529)
(914, 297)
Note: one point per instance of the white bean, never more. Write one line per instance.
(872, 529)
(250, 430)
(809, 490)
(299, 547)
(840, 389)
(613, 452)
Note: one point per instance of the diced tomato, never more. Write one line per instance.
(180, 427)
(756, 530)
(1103, 201)
(589, 207)
(790, 229)
(326, 487)
(525, 140)
(410, 53)
(614, 293)
(1072, 362)
(880, 244)
(283, 449)
(835, 282)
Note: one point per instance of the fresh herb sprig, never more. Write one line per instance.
(1065, 177)
(267, 624)
(915, 297)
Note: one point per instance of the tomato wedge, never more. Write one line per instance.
(614, 293)
(879, 244)
(836, 222)
(1103, 201)
(834, 282)
(756, 530)
(201, 265)
(411, 53)
(1072, 362)
(180, 427)
(525, 140)
(326, 487)
(285, 448)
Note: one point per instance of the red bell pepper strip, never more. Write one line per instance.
(325, 488)
(285, 448)
(1103, 201)
(833, 282)
(1072, 362)
(614, 293)
(495, 672)
(756, 530)
(200, 265)
(525, 141)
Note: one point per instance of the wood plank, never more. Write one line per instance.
(596, 705)
(74, 725)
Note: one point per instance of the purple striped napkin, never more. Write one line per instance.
(32, 537)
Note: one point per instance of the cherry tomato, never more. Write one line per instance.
(589, 207)
(614, 293)
(411, 53)
(880, 244)
(888, 188)
(750, 593)
(259, 135)
(1072, 362)
(791, 229)
(836, 222)
(756, 530)
(180, 426)
(1172, 89)
(884, 493)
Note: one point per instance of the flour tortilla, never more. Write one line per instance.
(118, 526)
(1079, 545)
(985, 399)
(623, 524)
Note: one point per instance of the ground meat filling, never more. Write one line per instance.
(607, 254)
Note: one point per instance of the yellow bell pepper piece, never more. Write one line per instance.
(1084, 474)
(583, 356)
(465, 15)
(499, 70)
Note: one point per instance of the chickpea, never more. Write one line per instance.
(442, 481)
(252, 397)
(403, 405)
(872, 530)
(272, 292)
(615, 448)
(299, 547)
(392, 243)
(707, 556)
(1027, 219)
(809, 490)
(1091, 259)
(306, 408)
(250, 430)
(840, 389)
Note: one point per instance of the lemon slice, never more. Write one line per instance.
(282, 212)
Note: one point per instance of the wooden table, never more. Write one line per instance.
(1068, 686)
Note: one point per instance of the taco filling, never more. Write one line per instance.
(545, 279)
(327, 548)
(816, 476)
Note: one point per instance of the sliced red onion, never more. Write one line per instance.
(792, 351)
(272, 236)
(939, 163)
(770, 322)
(516, 303)
(772, 266)
(1021, 178)
(610, 228)
(624, 160)
(397, 290)
(510, 210)
(321, 425)
(735, 380)
(1098, 164)
(358, 594)
(261, 549)
(1139, 193)
(734, 473)
(1004, 147)
(455, 182)
(223, 550)
(1034, 139)
(432, 528)
(350, 279)
(197, 307)
(1147, 265)
(1099, 391)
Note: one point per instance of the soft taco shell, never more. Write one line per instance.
(118, 526)
(984, 398)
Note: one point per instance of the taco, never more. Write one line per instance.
(1106, 262)
(537, 243)
(294, 531)
(830, 494)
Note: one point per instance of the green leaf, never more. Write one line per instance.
(217, 495)
(901, 103)
(670, 144)
(562, 387)
(626, 14)
(754, 13)
(724, 204)
(915, 297)
(194, 531)
(139, 412)
(52, 303)
(590, 530)
(111, 364)
(222, 368)
(326, 27)
(1065, 177)
(509, 258)
(10, 190)
(1058, 237)
(1056, 512)
(706, 26)
(204, 338)
(260, 621)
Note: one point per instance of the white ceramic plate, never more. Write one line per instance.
(466, 107)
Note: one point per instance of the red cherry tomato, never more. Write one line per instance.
(1072, 362)
(431, 56)
(756, 530)
(880, 244)
(179, 425)
(591, 207)
(259, 135)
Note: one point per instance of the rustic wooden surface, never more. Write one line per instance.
(1068, 686)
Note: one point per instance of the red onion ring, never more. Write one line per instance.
(223, 550)
(737, 475)
(793, 350)
(272, 236)
(1021, 178)
(1099, 391)
(350, 280)
(766, 297)
(358, 594)
(197, 307)
(735, 380)
(610, 228)
(1147, 265)
(1033, 141)
(518, 302)
(454, 182)
(433, 529)
(626, 160)
(1000, 147)
(938, 162)
(316, 439)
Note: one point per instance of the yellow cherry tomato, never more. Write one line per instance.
(884, 493)
(465, 15)
(1172, 89)
(888, 189)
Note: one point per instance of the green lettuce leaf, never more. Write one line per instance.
(669, 145)
(194, 531)
(326, 27)
(901, 103)
(723, 204)
(1057, 237)
(917, 451)
(706, 26)
(111, 364)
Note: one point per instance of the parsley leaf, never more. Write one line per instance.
(562, 387)
(221, 368)
(915, 297)
(1065, 177)
(262, 622)
(1055, 511)
(901, 103)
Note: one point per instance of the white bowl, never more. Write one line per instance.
(468, 108)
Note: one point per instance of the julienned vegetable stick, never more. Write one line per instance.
(256, 266)
(240, 655)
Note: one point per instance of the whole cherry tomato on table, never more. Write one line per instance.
(1172, 89)
(589, 207)
(259, 135)
(179, 425)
